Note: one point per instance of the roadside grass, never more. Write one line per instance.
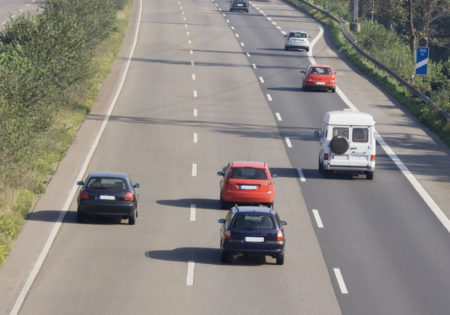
(430, 116)
(29, 176)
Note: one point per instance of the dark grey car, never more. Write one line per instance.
(252, 231)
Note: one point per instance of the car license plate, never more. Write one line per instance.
(106, 197)
(248, 187)
(251, 239)
(320, 83)
(240, 5)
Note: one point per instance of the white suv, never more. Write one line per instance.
(347, 143)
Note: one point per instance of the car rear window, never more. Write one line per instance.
(253, 222)
(248, 173)
(106, 183)
(339, 131)
(320, 70)
(360, 135)
(297, 35)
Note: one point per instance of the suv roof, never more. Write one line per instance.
(348, 118)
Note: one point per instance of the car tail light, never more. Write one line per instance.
(227, 234)
(128, 197)
(84, 194)
(372, 157)
(325, 156)
(280, 236)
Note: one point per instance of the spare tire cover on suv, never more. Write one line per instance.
(339, 144)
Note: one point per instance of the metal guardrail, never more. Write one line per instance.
(352, 41)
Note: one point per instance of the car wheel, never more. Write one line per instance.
(270, 204)
(286, 48)
(132, 218)
(339, 145)
(80, 217)
(369, 175)
(224, 257)
(307, 49)
(333, 90)
(223, 204)
(280, 259)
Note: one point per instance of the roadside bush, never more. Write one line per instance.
(50, 71)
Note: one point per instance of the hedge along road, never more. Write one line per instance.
(11, 9)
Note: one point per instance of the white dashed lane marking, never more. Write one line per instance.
(195, 137)
(318, 219)
(278, 116)
(194, 169)
(190, 273)
(261, 79)
(340, 280)
(301, 175)
(288, 142)
(195, 112)
(193, 209)
(195, 93)
(269, 97)
(193, 76)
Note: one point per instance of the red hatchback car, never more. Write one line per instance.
(246, 182)
(321, 77)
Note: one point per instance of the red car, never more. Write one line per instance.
(321, 77)
(246, 182)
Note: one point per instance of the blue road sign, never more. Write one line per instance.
(422, 60)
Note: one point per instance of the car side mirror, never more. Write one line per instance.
(137, 185)
(221, 173)
(317, 134)
(302, 71)
(283, 223)
(80, 183)
(221, 221)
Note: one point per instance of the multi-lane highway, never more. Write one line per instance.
(204, 87)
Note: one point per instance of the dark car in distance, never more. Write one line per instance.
(239, 5)
(108, 194)
(249, 230)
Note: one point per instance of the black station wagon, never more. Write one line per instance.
(252, 231)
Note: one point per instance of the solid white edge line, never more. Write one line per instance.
(318, 219)
(278, 116)
(194, 169)
(301, 175)
(415, 183)
(190, 273)
(192, 217)
(432, 205)
(288, 142)
(37, 266)
(340, 280)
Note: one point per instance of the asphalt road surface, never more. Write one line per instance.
(205, 87)
(13, 8)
